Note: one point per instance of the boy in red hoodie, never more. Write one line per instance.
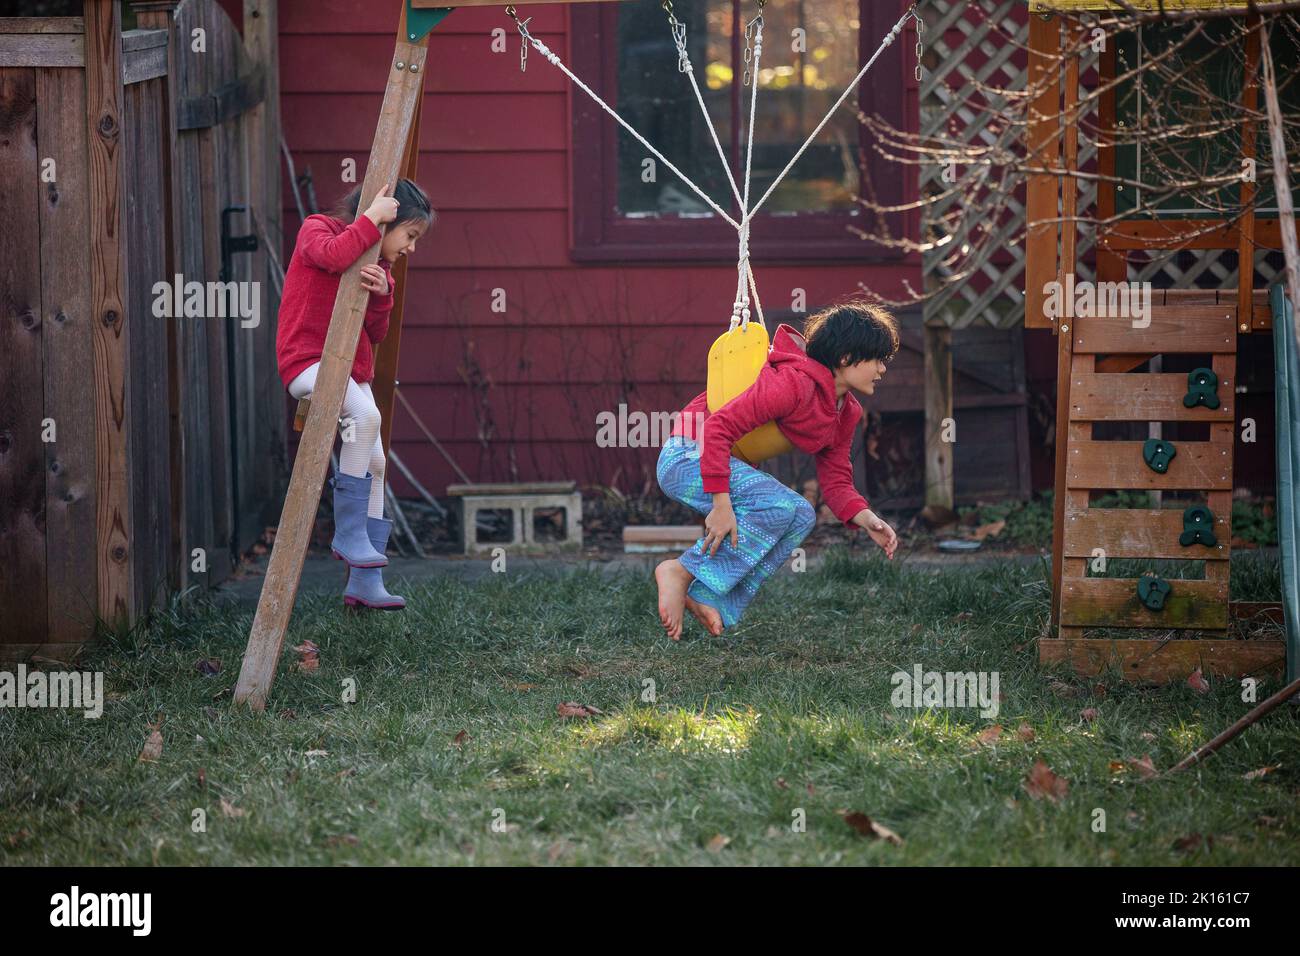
(327, 246)
(753, 521)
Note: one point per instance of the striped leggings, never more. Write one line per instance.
(771, 521)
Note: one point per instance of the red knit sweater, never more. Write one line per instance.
(798, 393)
(325, 249)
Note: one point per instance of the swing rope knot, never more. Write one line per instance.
(679, 38)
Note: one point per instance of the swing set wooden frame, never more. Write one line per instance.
(394, 154)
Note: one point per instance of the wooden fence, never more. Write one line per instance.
(140, 452)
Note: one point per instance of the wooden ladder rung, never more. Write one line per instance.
(1113, 602)
(1141, 397)
(1113, 465)
(1173, 329)
(1140, 533)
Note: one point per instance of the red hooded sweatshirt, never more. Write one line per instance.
(324, 251)
(798, 393)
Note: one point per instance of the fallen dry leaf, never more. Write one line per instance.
(717, 844)
(571, 709)
(1088, 713)
(963, 616)
(869, 827)
(460, 738)
(781, 784)
(1041, 783)
(989, 735)
(342, 839)
(1147, 735)
(557, 850)
(308, 657)
(153, 747)
(228, 809)
(1193, 841)
(1197, 682)
(203, 778)
(1262, 771)
(990, 530)
(208, 666)
(1025, 732)
(1144, 766)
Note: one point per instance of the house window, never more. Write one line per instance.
(628, 205)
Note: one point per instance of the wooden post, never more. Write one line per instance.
(274, 607)
(1112, 266)
(938, 407)
(385, 383)
(1043, 143)
(1064, 337)
(261, 39)
(1246, 227)
(1281, 181)
(114, 558)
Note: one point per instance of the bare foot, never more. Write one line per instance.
(673, 580)
(708, 616)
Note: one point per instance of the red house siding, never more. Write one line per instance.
(515, 395)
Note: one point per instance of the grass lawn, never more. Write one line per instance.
(790, 712)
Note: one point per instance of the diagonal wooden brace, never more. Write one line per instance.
(280, 588)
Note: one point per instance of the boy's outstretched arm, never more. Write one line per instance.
(835, 478)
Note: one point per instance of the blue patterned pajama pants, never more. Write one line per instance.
(771, 520)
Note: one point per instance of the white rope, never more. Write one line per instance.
(555, 61)
(745, 284)
(740, 310)
(889, 38)
(684, 65)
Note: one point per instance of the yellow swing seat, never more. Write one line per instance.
(735, 359)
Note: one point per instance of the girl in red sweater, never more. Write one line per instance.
(754, 521)
(327, 247)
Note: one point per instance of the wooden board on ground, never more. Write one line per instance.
(1165, 661)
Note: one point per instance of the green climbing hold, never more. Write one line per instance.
(1202, 388)
(1153, 591)
(1158, 453)
(1198, 527)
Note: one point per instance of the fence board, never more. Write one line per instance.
(144, 130)
(69, 358)
(22, 454)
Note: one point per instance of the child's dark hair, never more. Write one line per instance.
(412, 204)
(855, 331)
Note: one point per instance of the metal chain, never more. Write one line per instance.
(678, 29)
(749, 43)
(523, 33)
(920, 50)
